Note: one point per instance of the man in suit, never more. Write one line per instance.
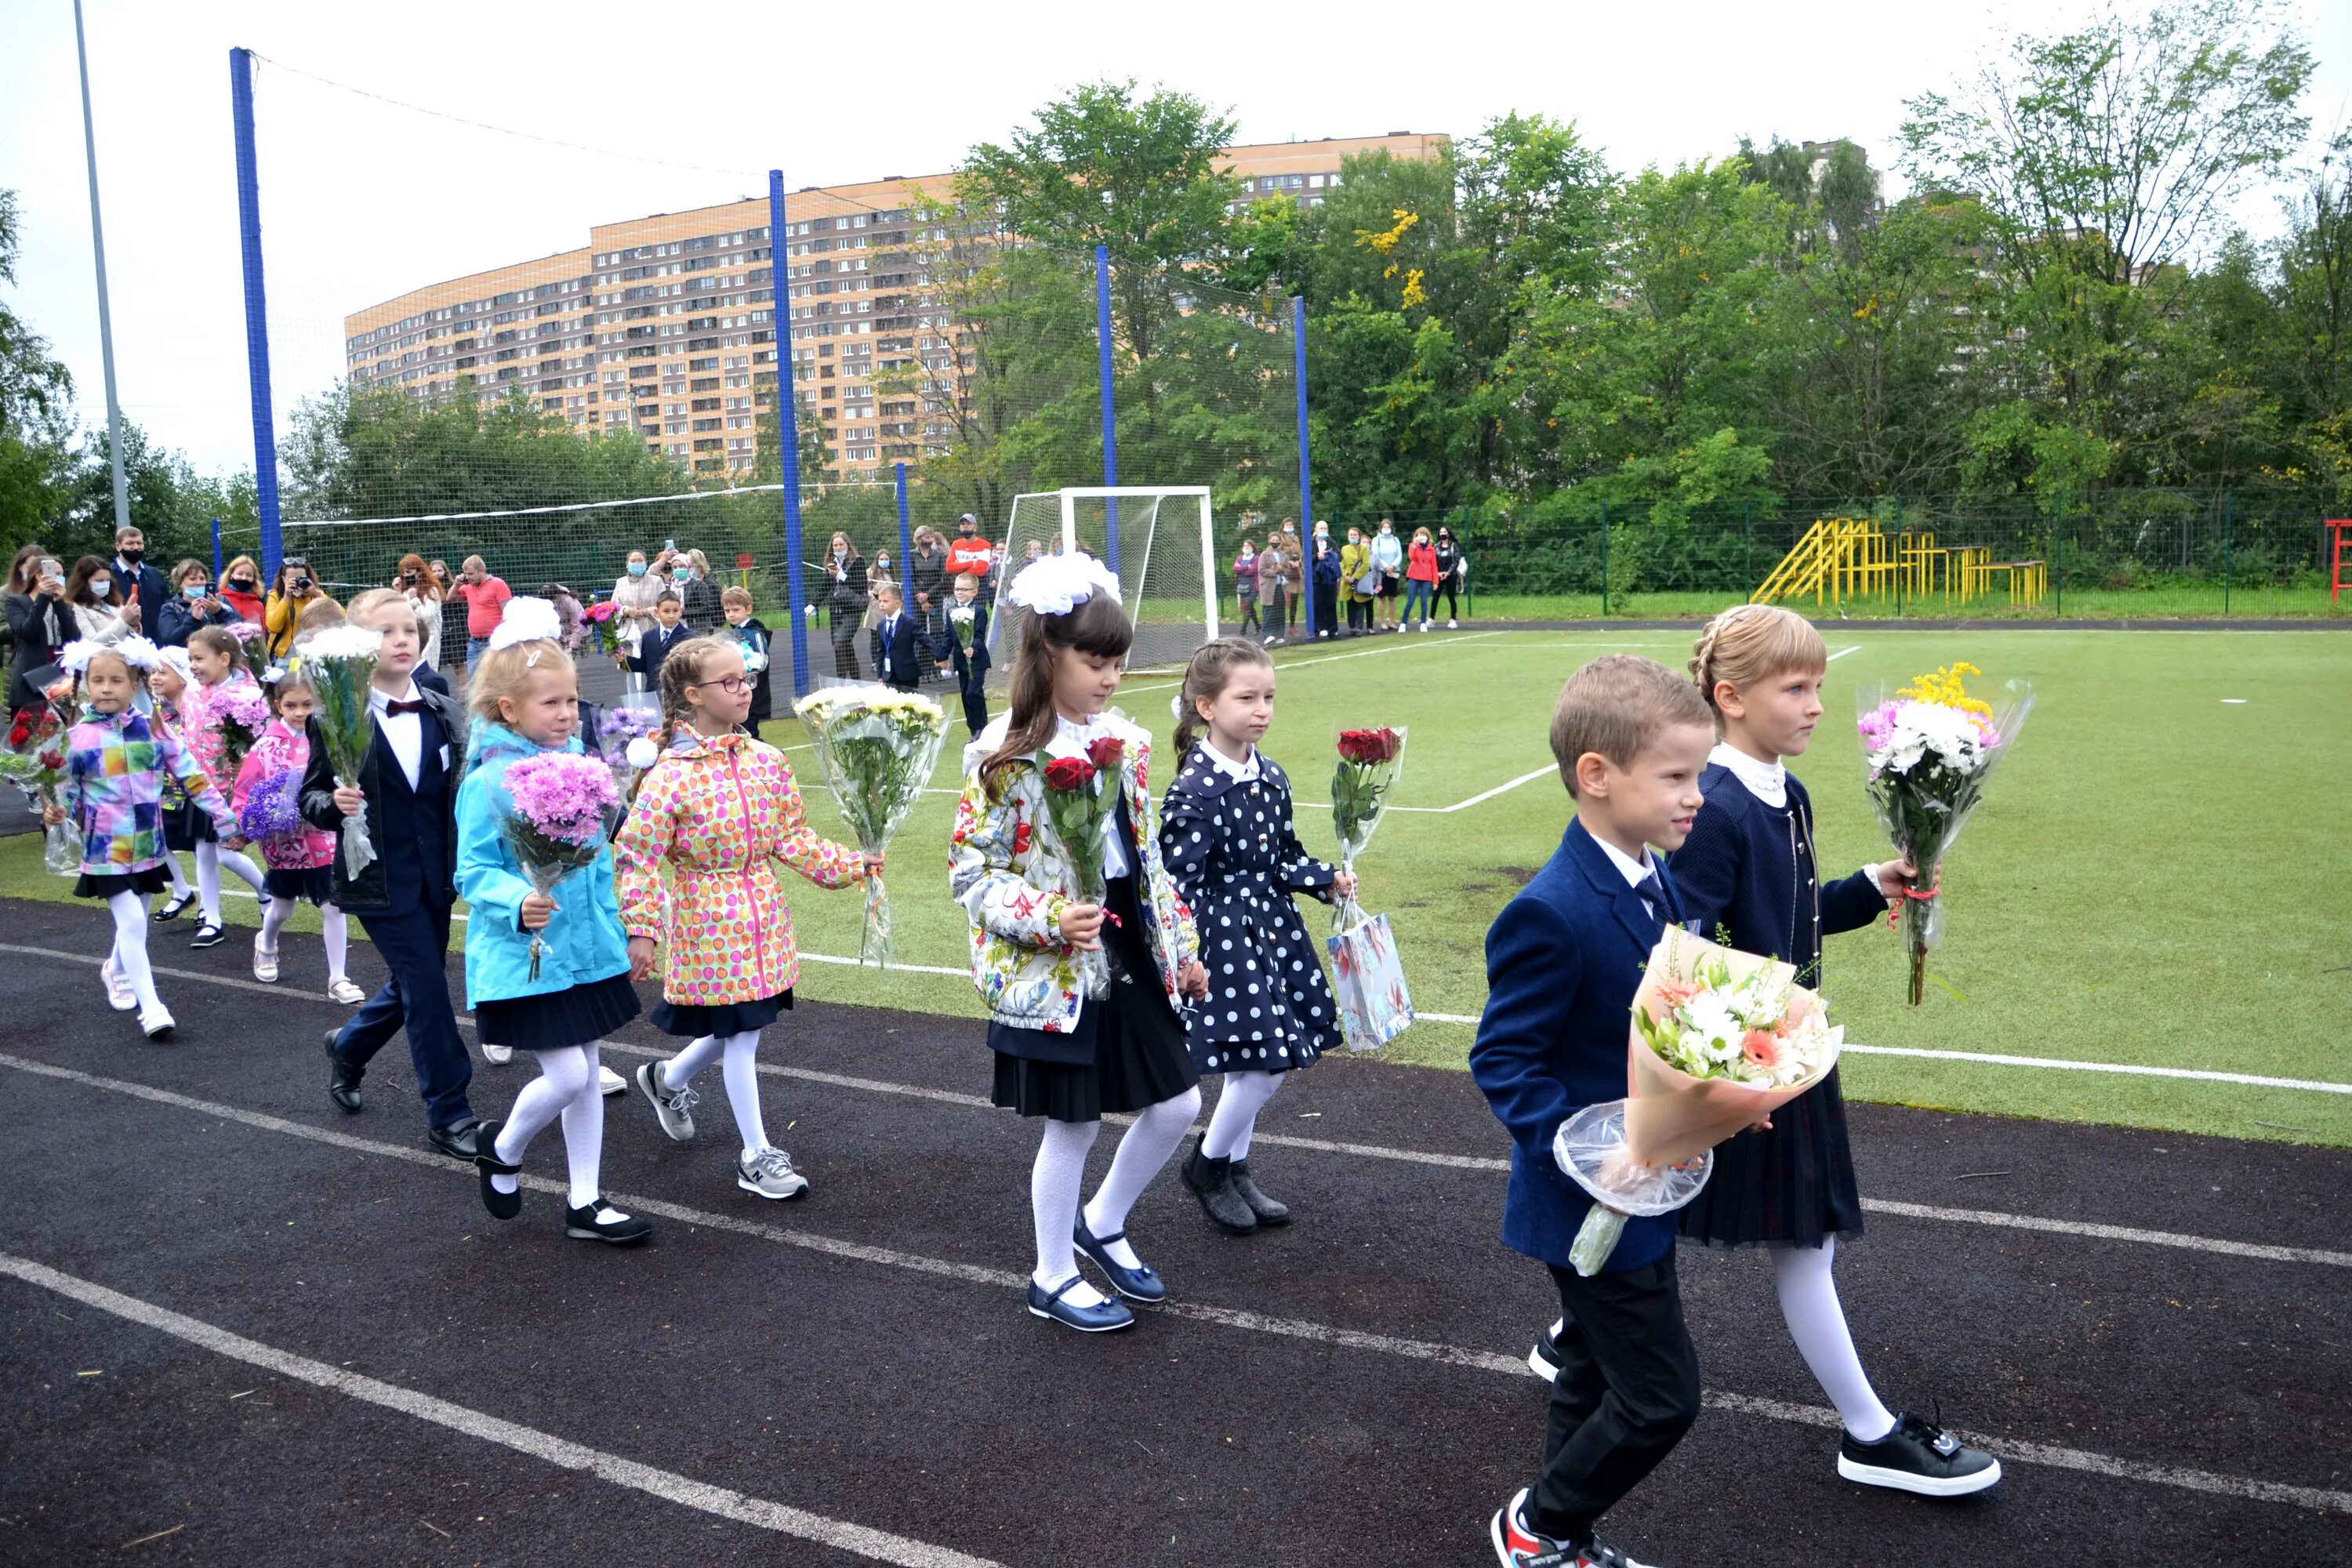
(139, 580)
(898, 643)
(406, 793)
(971, 669)
(1563, 960)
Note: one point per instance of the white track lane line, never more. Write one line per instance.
(668, 1485)
(1255, 1322)
(1427, 1157)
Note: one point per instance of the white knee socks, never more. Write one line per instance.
(1141, 1155)
(129, 912)
(1053, 1183)
(743, 1074)
(566, 1087)
(1808, 1302)
(210, 858)
(1236, 1117)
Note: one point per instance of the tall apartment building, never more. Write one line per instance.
(662, 325)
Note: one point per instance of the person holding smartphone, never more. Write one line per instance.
(38, 622)
(293, 592)
(193, 605)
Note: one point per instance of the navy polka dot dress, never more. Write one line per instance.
(1231, 848)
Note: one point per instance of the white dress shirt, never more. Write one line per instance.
(1633, 870)
(1070, 740)
(403, 732)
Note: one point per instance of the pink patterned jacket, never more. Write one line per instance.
(721, 810)
(278, 750)
(200, 707)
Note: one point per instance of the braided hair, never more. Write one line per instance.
(682, 667)
(1205, 679)
(1749, 644)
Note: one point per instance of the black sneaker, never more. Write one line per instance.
(1544, 1359)
(1918, 1456)
(1518, 1546)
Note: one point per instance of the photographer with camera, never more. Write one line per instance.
(293, 592)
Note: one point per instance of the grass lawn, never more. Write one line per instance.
(2158, 876)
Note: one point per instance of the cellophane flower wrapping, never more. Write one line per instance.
(1720, 1040)
(1365, 777)
(273, 808)
(340, 662)
(751, 644)
(635, 717)
(1927, 749)
(878, 747)
(240, 713)
(35, 760)
(1082, 804)
(963, 623)
(252, 646)
(555, 820)
(603, 625)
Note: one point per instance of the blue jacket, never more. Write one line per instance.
(582, 942)
(1563, 960)
(906, 651)
(180, 621)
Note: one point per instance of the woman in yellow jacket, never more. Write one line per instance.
(294, 592)
(1355, 562)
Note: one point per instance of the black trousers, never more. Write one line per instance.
(1627, 1391)
(415, 946)
(1326, 609)
(1272, 611)
(1449, 589)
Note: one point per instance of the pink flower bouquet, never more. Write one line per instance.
(555, 824)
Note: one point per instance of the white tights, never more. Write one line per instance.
(740, 1071)
(210, 858)
(1061, 1171)
(333, 927)
(1809, 1303)
(566, 1087)
(129, 912)
(179, 878)
(1236, 1117)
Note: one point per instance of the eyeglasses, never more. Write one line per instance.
(733, 685)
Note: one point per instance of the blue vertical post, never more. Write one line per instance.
(1306, 480)
(906, 536)
(256, 310)
(216, 556)
(1109, 403)
(788, 432)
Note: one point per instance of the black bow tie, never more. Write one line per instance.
(396, 709)
(1650, 887)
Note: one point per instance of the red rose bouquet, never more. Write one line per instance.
(1370, 762)
(36, 760)
(1080, 806)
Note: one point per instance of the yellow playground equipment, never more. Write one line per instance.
(1847, 557)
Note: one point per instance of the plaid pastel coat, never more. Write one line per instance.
(117, 763)
(718, 813)
(200, 717)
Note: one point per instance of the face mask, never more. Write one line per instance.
(100, 587)
(193, 591)
(687, 575)
(637, 568)
(133, 557)
(1247, 553)
(242, 585)
(839, 553)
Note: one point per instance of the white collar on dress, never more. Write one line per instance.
(1240, 773)
(1767, 782)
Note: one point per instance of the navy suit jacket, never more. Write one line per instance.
(1563, 960)
(904, 650)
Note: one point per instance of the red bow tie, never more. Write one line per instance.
(396, 709)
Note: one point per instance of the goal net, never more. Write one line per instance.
(1158, 540)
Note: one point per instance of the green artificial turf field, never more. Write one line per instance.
(2158, 875)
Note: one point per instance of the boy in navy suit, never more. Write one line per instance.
(1563, 963)
(971, 669)
(898, 655)
(668, 631)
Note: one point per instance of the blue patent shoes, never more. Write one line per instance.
(1099, 1319)
(1137, 1284)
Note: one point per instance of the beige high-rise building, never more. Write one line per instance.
(661, 325)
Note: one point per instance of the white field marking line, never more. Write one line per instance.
(1256, 1322)
(1451, 639)
(668, 1485)
(1843, 652)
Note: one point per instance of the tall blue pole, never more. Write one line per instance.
(256, 309)
(788, 430)
(906, 538)
(1306, 480)
(1109, 403)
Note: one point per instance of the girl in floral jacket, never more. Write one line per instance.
(115, 762)
(215, 659)
(300, 858)
(721, 810)
(1069, 1048)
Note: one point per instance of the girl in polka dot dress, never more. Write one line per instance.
(1227, 836)
(717, 811)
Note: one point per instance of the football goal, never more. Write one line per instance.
(1159, 540)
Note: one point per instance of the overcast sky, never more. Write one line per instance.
(361, 201)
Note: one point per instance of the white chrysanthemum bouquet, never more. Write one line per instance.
(877, 747)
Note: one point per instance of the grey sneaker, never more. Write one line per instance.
(674, 1108)
(770, 1174)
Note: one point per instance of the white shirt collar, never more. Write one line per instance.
(1633, 870)
(1767, 782)
(380, 700)
(1240, 773)
(1070, 737)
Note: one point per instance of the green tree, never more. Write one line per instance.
(36, 412)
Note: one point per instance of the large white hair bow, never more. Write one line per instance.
(136, 652)
(1056, 585)
(528, 619)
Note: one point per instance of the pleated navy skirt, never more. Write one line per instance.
(724, 1018)
(314, 883)
(1792, 1186)
(106, 884)
(585, 1013)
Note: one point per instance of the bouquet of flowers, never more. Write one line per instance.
(1082, 811)
(1929, 749)
(963, 621)
(252, 646)
(1370, 762)
(749, 644)
(1720, 1039)
(556, 823)
(624, 737)
(36, 761)
(272, 808)
(240, 714)
(603, 619)
(877, 747)
(342, 662)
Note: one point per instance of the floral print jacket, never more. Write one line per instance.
(1011, 875)
(119, 763)
(721, 811)
(282, 750)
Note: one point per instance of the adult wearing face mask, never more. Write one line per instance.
(39, 623)
(193, 604)
(635, 591)
(139, 581)
(845, 603)
(240, 589)
(100, 615)
(696, 593)
(971, 552)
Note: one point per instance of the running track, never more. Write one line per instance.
(241, 1327)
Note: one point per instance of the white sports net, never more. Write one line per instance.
(1161, 535)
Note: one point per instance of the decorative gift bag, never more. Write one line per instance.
(1369, 979)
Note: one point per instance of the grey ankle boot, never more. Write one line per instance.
(1268, 1211)
(1212, 1182)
